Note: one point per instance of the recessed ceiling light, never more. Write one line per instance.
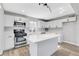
(23, 11)
(61, 10)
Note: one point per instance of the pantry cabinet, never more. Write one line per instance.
(8, 38)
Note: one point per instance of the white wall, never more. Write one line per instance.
(71, 32)
(77, 31)
(71, 29)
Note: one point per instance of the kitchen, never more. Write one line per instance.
(39, 29)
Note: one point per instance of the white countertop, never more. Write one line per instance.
(41, 37)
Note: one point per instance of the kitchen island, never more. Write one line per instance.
(43, 44)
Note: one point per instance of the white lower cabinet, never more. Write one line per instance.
(9, 40)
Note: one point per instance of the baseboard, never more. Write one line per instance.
(71, 43)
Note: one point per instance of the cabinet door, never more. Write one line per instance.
(64, 20)
(52, 24)
(72, 19)
(58, 23)
(9, 20)
(9, 40)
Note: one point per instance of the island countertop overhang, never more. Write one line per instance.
(34, 38)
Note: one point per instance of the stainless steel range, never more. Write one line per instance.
(20, 35)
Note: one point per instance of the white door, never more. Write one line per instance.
(9, 40)
(69, 32)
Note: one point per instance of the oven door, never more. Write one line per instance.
(19, 39)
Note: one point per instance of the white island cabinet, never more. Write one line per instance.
(43, 44)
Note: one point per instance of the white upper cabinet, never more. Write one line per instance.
(19, 19)
(72, 19)
(56, 24)
(9, 20)
(64, 20)
(34, 25)
(59, 24)
(52, 23)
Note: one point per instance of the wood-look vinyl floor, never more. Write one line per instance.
(65, 49)
(22, 51)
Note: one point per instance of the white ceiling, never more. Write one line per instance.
(42, 12)
(75, 6)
